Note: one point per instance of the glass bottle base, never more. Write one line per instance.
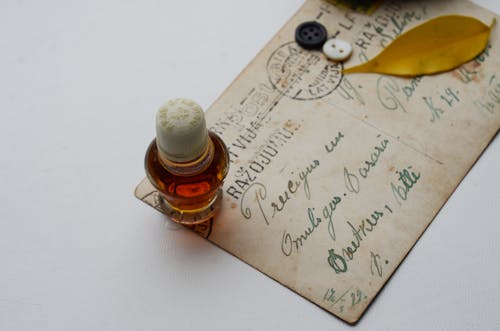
(194, 216)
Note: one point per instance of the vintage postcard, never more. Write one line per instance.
(333, 177)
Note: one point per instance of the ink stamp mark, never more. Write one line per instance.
(302, 74)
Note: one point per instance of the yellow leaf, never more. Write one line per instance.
(440, 44)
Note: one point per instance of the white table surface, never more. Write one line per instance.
(79, 85)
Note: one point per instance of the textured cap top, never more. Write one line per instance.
(181, 131)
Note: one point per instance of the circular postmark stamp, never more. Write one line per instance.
(302, 74)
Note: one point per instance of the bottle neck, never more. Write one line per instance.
(189, 168)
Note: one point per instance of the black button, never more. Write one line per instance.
(310, 35)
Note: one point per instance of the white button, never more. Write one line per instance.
(337, 49)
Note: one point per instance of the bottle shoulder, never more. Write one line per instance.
(218, 165)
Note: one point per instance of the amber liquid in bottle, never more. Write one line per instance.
(190, 190)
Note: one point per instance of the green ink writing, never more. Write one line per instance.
(448, 99)
(256, 195)
(336, 261)
(360, 231)
(435, 111)
(406, 180)
(387, 93)
(489, 102)
(375, 266)
(408, 90)
(288, 244)
(330, 147)
(349, 92)
(374, 157)
(351, 180)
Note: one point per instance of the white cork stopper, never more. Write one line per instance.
(181, 131)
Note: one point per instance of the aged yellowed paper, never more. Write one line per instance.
(334, 178)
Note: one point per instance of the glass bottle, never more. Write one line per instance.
(186, 163)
